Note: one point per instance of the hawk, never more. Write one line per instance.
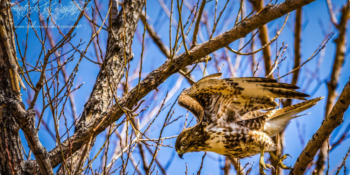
(230, 117)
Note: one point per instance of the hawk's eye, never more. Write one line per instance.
(183, 143)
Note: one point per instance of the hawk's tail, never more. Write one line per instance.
(279, 118)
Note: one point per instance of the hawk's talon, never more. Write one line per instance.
(262, 165)
(285, 156)
(265, 166)
(280, 160)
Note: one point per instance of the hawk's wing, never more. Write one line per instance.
(229, 99)
(276, 120)
(192, 104)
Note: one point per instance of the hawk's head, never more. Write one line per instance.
(191, 140)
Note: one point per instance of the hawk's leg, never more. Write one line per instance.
(280, 160)
(262, 165)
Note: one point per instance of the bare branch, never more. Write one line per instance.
(200, 168)
(297, 42)
(161, 45)
(331, 13)
(343, 163)
(26, 121)
(264, 36)
(239, 168)
(196, 26)
(333, 120)
(264, 46)
(332, 85)
(156, 77)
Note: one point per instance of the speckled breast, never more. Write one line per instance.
(237, 141)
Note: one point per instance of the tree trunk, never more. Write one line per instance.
(11, 156)
(120, 37)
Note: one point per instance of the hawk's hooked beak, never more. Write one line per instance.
(180, 154)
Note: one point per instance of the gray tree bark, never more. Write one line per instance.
(118, 53)
(11, 156)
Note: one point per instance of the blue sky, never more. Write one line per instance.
(316, 24)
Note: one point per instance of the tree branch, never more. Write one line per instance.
(239, 168)
(332, 85)
(334, 119)
(264, 37)
(158, 76)
(26, 121)
(297, 48)
(162, 47)
(122, 27)
(11, 155)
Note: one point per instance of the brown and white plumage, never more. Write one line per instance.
(231, 98)
(229, 116)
